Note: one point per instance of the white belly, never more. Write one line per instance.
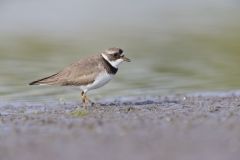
(102, 79)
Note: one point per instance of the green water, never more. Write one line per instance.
(169, 56)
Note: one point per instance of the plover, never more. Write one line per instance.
(89, 73)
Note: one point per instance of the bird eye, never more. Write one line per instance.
(115, 55)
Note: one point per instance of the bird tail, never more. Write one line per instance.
(45, 81)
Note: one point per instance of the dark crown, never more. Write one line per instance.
(114, 50)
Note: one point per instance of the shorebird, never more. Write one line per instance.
(90, 73)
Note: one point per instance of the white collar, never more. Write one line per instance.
(115, 64)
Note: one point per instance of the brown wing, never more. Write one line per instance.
(82, 72)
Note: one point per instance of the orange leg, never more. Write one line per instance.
(85, 100)
(83, 96)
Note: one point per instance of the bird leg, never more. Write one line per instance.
(85, 100)
(83, 96)
(89, 100)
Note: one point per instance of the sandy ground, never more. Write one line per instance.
(176, 127)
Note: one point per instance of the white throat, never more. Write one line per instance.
(115, 63)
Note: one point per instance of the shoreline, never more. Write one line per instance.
(168, 127)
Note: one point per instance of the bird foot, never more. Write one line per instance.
(86, 100)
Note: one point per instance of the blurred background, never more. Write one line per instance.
(185, 46)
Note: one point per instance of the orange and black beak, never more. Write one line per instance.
(126, 59)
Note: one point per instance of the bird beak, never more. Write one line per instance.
(126, 59)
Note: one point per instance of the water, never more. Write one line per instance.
(190, 47)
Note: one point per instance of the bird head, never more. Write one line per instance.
(115, 56)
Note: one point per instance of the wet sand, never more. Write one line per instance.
(174, 127)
